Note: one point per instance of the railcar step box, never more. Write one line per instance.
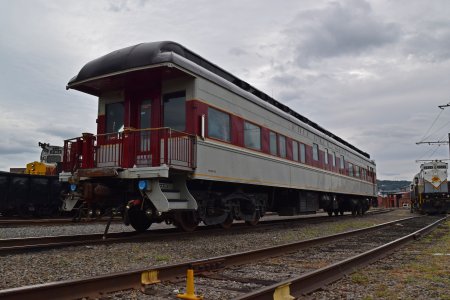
(177, 197)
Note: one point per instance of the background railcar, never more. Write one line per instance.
(181, 140)
(28, 195)
(430, 190)
(34, 190)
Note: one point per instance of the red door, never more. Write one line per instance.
(148, 122)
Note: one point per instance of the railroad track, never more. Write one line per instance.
(252, 274)
(47, 242)
(6, 222)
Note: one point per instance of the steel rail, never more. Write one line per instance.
(34, 222)
(46, 242)
(95, 286)
(6, 221)
(311, 281)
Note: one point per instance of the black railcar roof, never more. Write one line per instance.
(145, 54)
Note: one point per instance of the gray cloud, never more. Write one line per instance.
(237, 51)
(118, 6)
(372, 72)
(348, 28)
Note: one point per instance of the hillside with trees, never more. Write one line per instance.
(392, 185)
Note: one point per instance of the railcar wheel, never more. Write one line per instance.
(23, 211)
(187, 221)
(227, 223)
(254, 221)
(360, 210)
(330, 213)
(138, 220)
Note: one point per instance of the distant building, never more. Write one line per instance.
(394, 199)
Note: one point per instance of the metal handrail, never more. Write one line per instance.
(131, 147)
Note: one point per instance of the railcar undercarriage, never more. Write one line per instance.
(183, 203)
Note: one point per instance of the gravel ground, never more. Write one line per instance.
(79, 262)
(420, 270)
(53, 230)
(22, 231)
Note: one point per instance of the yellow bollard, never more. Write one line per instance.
(190, 289)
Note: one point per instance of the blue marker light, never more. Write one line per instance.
(73, 187)
(142, 184)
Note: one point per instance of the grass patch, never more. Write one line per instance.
(162, 257)
(359, 278)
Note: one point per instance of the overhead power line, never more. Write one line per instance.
(440, 141)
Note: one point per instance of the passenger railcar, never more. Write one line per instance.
(429, 189)
(181, 140)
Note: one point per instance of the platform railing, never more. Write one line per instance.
(131, 148)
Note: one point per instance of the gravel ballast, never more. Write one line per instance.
(420, 270)
(79, 262)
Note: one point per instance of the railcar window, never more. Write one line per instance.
(218, 124)
(252, 136)
(326, 156)
(342, 162)
(350, 169)
(175, 111)
(315, 152)
(334, 159)
(356, 171)
(282, 145)
(145, 120)
(442, 167)
(302, 153)
(295, 150)
(114, 117)
(273, 143)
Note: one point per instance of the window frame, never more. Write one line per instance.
(229, 124)
(326, 156)
(295, 151)
(260, 135)
(166, 99)
(108, 107)
(302, 153)
(315, 154)
(280, 148)
(273, 134)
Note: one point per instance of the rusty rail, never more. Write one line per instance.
(95, 286)
(47, 242)
(312, 281)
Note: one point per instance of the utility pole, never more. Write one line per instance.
(439, 142)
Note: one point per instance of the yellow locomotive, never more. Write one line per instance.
(51, 157)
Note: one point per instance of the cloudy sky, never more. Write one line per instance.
(372, 72)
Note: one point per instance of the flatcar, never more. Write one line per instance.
(180, 140)
(429, 189)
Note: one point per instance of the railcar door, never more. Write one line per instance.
(148, 123)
